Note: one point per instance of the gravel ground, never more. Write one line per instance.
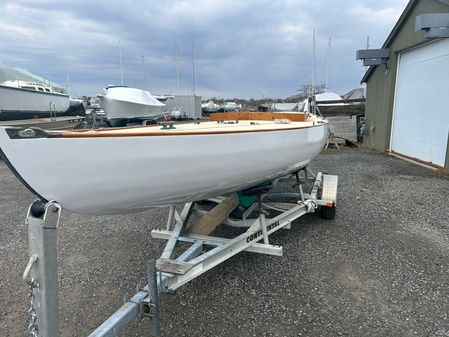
(380, 268)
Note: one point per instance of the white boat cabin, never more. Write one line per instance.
(34, 86)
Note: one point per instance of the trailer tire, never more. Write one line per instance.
(328, 213)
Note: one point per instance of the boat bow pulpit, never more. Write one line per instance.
(194, 225)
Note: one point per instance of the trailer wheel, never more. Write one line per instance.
(327, 212)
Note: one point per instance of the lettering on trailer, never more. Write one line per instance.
(260, 233)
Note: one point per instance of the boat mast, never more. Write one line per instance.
(314, 65)
(193, 65)
(328, 63)
(67, 82)
(177, 69)
(144, 75)
(121, 64)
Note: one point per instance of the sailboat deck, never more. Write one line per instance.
(209, 127)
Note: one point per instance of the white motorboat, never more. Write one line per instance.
(26, 100)
(124, 170)
(209, 107)
(122, 103)
(230, 106)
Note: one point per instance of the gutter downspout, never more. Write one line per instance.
(390, 148)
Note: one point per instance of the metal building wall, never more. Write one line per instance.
(189, 104)
(381, 83)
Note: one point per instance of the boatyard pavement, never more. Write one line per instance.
(380, 268)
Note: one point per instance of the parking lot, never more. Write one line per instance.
(380, 268)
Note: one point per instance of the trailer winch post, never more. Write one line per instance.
(41, 273)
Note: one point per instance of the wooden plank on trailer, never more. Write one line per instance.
(173, 266)
(212, 219)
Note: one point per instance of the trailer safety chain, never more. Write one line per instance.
(33, 330)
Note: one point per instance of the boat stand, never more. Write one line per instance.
(175, 267)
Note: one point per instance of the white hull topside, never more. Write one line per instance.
(116, 109)
(113, 175)
(129, 103)
(17, 99)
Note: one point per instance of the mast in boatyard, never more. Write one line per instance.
(121, 63)
(313, 89)
(193, 66)
(328, 64)
(144, 75)
(177, 69)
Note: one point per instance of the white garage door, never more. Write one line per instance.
(421, 114)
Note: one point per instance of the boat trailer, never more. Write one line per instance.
(191, 229)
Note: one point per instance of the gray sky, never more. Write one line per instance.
(243, 48)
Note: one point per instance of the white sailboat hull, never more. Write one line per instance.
(111, 175)
(17, 103)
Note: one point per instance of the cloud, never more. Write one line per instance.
(382, 16)
(18, 31)
(243, 47)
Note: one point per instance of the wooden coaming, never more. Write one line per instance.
(258, 116)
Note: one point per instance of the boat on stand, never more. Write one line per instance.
(209, 107)
(156, 166)
(27, 100)
(123, 104)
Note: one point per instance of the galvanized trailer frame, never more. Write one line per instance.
(169, 272)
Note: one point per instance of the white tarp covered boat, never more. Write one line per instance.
(122, 103)
(230, 106)
(124, 170)
(209, 107)
(304, 106)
